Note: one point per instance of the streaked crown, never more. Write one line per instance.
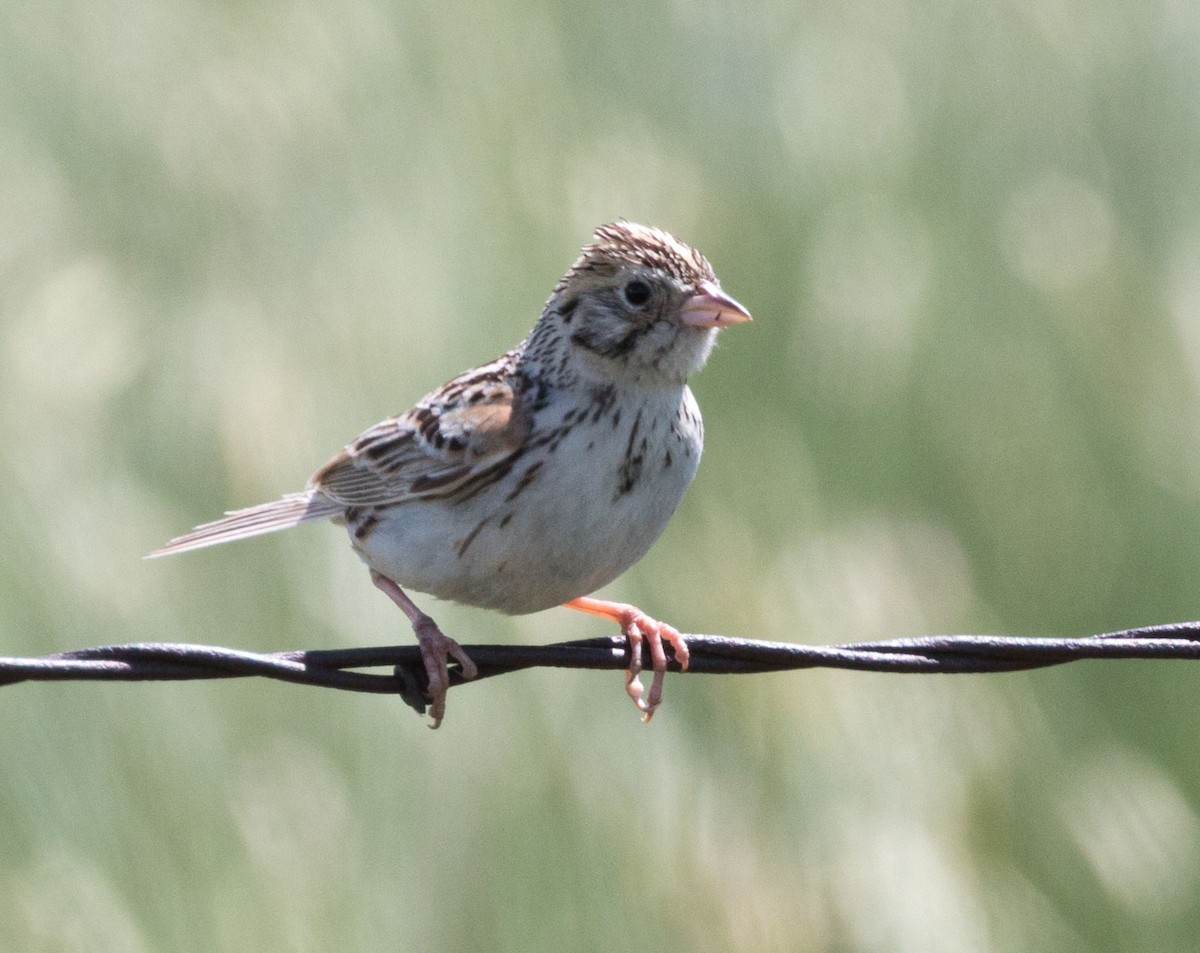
(622, 244)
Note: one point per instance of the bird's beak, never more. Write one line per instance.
(710, 307)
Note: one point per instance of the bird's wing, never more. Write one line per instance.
(436, 449)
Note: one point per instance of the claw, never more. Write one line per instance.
(436, 648)
(637, 627)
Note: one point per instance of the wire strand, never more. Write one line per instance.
(710, 655)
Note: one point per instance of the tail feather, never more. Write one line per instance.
(291, 510)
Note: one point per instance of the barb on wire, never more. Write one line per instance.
(710, 655)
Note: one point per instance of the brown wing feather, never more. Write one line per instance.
(433, 448)
(451, 438)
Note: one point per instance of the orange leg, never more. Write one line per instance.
(636, 626)
(436, 648)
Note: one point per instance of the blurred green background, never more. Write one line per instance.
(234, 234)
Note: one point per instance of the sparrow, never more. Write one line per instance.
(535, 479)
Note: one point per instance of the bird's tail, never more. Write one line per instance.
(292, 510)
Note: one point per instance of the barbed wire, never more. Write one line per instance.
(710, 655)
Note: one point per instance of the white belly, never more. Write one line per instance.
(591, 510)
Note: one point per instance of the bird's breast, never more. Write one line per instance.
(585, 497)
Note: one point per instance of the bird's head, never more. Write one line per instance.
(640, 303)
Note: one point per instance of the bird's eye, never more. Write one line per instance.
(637, 293)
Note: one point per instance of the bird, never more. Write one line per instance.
(535, 479)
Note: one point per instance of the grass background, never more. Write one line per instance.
(233, 234)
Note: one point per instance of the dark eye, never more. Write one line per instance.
(637, 293)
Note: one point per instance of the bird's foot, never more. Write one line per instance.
(637, 627)
(437, 648)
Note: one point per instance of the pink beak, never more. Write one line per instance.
(710, 307)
